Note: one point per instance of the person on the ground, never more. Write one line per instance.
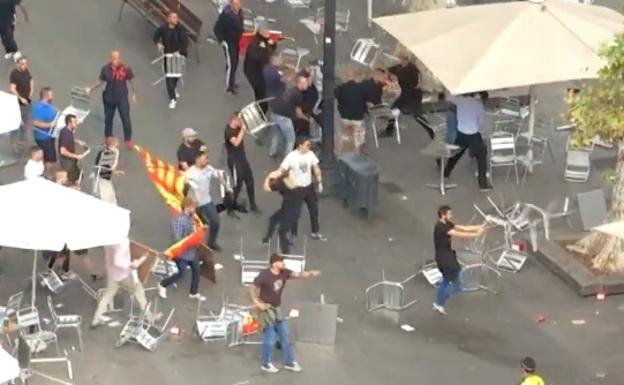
(68, 155)
(284, 110)
(21, 84)
(199, 179)
(121, 273)
(34, 166)
(115, 75)
(105, 188)
(266, 295)
(228, 30)
(258, 53)
(171, 38)
(287, 216)
(43, 116)
(237, 162)
(188, 150)
(529, 374)
(410, 100)
(351, 98)
(7, 27)
(470, 120)
(183, 225)
(301, 165)
(445, 257)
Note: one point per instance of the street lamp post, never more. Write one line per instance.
(328, 158)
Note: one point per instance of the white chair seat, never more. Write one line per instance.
(578, 158)
(69, 320)
(502, 159)
(43, 335)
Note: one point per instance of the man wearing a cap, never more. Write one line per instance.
(530, 377)
(188, 150)
(266, 295)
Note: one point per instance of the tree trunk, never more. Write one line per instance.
(607, 251)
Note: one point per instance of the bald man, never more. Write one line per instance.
(116, 76)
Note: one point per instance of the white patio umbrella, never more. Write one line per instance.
(10, 116)
(613, 228)
(506, 45)
(41, 215)
(9, 367)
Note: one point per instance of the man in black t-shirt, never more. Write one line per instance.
(266, 295)
(284, 110)
(410, 100)
(445, 256)
(237, 161)
(68, 159)
(188, 150)
(21, 85)
(287, 216)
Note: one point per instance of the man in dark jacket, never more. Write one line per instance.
(410, 100)
(258, 54)
(171, 38)
(351, 97)
(228, 31)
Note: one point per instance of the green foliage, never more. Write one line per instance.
(599, 109)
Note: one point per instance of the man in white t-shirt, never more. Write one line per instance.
(34, 167)
(300, 165)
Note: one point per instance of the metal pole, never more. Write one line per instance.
(369, 12)
(328, 158)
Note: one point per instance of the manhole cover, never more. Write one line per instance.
(391, 187)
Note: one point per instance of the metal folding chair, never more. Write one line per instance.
(51, 280)
(291, 54)
(294, 262)
(173, 66)
(254, 119)
(211, 327)
(251, 268)
(65, 321)
(13, 305)
(503, 153)
(79, 106)
(388, 295)
(578, 163)
(143, 331)
(343, 17)
(108, 161)
(31, 330)
(243, 328)
(26, 363)
(480, 276)
(380, 115)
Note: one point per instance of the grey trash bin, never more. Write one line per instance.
(358, 182)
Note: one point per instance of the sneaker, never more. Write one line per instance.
(439, 309)
(68, 275)
(485, 188)
(162, 292)
(129, 144)
(294, 367)
(269, 368)
(197, 296)
(8, 55)
(17, 55)
(318, 237)
(172, 104)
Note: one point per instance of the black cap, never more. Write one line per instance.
(275, 258)
(528, 364)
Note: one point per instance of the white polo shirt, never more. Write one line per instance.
(470, 114)
(299, 167)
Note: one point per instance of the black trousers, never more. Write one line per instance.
(259, 89)
(311, 201)
(241, 170)
(123, 106)
(230, 50)
(473, 142)
(171, 84)
(7, 35)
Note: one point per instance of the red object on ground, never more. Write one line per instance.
(540, 318)
(248, 36)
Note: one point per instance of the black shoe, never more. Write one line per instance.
(254, 209)
(485, 188)
(215, 247)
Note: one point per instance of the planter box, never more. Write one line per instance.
(573, 272)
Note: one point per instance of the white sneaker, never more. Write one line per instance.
(17, 55)
(68, 275)
(172, 104)
(197, 296)
(177, 95)
(162, 292)
(8, 55)
(269, 368)
(439, 309)
(294, 367)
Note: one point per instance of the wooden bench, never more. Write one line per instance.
(155, 12)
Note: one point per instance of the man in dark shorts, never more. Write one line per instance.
(266, 295)
(188, 150)
(237, 162)
(43, 117)
(21, 85)
(68, 156)
(445, 256)
(288, 214)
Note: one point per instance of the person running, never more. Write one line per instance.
(529, 376)
(287, 217)
(237, 162)
(115, 76)
(21, 84)
(266, 295)
(171, 38)
(228, 30)
(300, 165)
(7, 27)
(445, 256)
(183, 226)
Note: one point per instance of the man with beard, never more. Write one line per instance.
(258, 54)
(188, 150)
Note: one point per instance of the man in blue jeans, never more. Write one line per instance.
(445, 256)
(182, 227)
(266, 295)
(284, 110)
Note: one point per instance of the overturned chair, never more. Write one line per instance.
(143, 331)
(26, 364)
(50, 280)
(255, 120)
(381, 115)
(389, 295)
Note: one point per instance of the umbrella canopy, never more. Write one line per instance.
(9, 368)
(613, 228)
(505, 45)
(10, 118)
(40, 215)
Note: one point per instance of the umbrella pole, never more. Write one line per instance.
(369, 12)
(532, 113)
(33, 281)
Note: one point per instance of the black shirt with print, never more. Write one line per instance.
(272, 285)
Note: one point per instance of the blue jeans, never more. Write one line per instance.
(283, 131)
(209, 215)
(268, 341)
(446, 288)
(182, 265)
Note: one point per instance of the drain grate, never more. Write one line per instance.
(391, 187)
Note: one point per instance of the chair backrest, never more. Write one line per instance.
(502, 144)
(289, 53)
(28, 317)
(365, 52)
(108, 159)
(15, 302)
(80, 99)
(592, 208)
(254, 119)
(538, 147)
(52, 310)
(175, 65)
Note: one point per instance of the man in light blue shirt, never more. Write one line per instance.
(470, 119)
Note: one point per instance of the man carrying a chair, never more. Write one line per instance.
(171, 39)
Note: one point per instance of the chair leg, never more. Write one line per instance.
(196, 52)
(58, 349)
(397, 129)
(375, 135)
(79, 332)
(516, 171)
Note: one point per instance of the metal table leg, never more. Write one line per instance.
(442, 186)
